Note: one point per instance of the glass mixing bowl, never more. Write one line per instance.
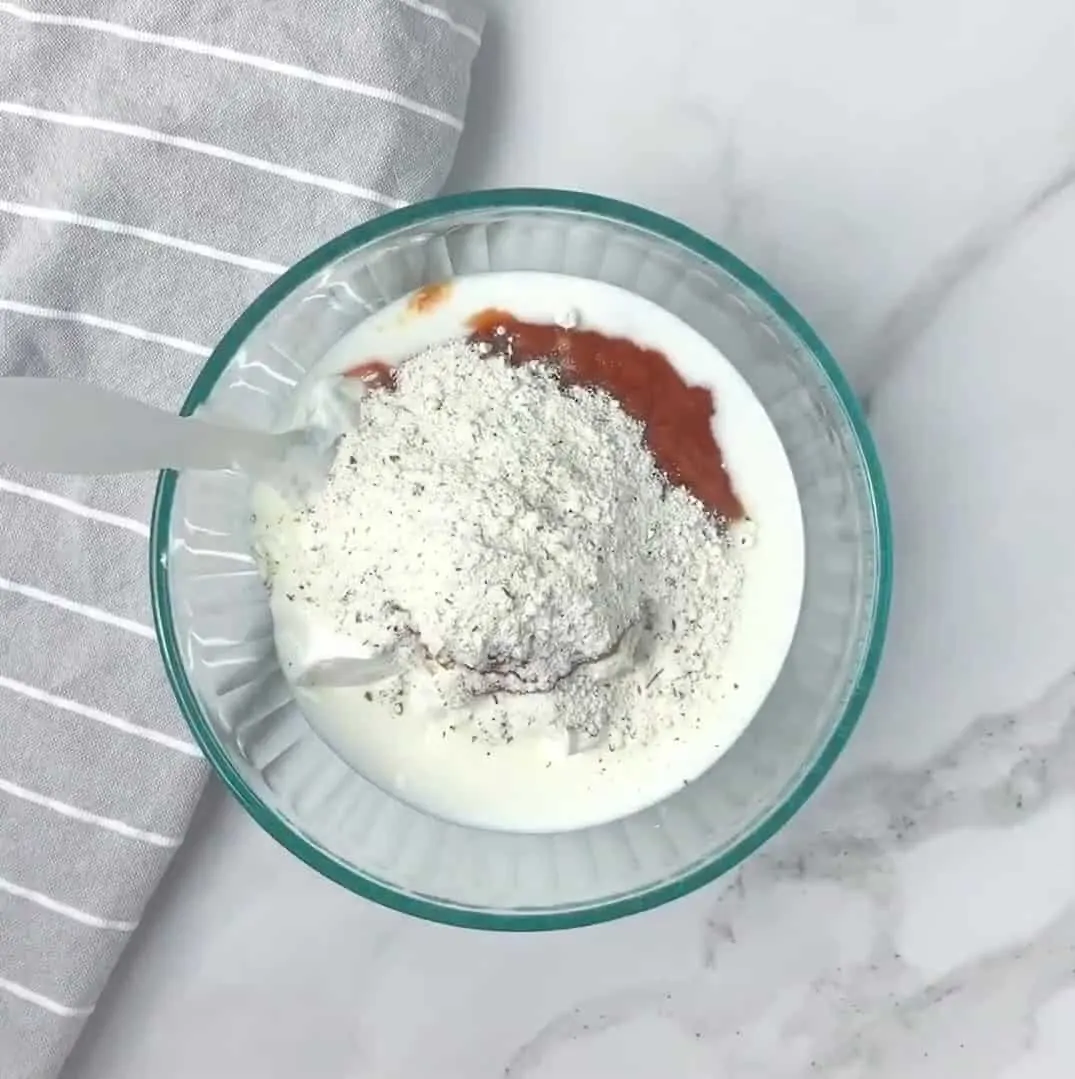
(212, 614)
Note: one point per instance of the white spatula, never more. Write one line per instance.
(59, 426)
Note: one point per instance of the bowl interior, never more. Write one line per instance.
(216, 634)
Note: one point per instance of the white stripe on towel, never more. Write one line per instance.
(83, 318)
(69, 505)
(67, 217)
(108, 823)
(443, 16)
(133, 131)
(264, 63)
(95, 614)
(42, 696)
(48, 903)
(41, 1000)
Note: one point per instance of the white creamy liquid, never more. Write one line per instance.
(535, 783)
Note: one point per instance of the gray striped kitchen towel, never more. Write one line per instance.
(159, 164)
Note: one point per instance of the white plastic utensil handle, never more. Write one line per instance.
(59, 426)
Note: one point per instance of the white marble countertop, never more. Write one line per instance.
(904, 171)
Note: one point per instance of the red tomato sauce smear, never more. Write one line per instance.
(677, 417)
(376, 374)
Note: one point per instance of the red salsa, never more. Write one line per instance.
(677, 417)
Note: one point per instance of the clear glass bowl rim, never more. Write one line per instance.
(342, 873)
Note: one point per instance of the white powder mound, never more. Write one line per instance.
(512, 540)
